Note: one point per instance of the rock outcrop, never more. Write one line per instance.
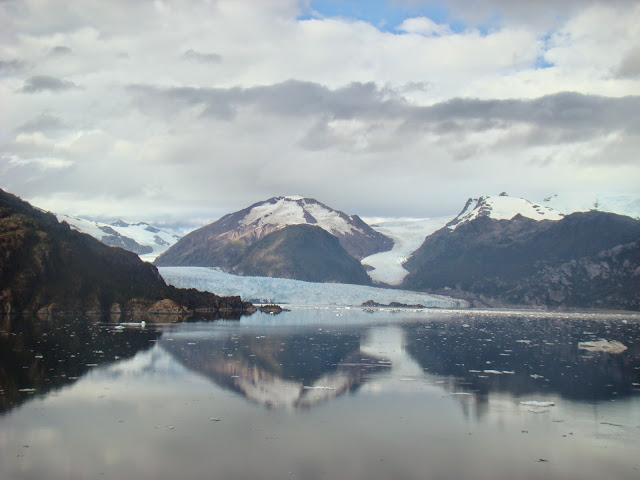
(46, 267)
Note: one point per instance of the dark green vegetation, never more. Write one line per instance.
(586, 260)
(302, 252)
(45, 266)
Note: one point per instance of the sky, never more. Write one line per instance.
(178, 112)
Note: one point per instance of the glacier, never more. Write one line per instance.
(407, 235)
(295, 292)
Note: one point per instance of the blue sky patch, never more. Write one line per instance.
(386, 15)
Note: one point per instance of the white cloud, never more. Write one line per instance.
(424, 26)
(194, 109)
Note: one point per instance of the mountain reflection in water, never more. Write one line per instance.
(280, 369)
(477, 355)
(333, 393)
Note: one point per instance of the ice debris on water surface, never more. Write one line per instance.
(612, 346)
(536, 403)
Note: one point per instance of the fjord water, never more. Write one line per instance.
(319, 393)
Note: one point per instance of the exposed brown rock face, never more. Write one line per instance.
(302, 252)
(46, 267)
(225, 242)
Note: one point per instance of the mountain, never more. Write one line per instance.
(45, 266)
(302, 252)
(503, 259)
(141, 238)
(224, 242)
(502, 207)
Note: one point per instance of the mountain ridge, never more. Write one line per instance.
(223, 242)
(47, 267)
(141, 238)
(499, 259)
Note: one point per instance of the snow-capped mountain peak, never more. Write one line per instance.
(294, 210)
(502, 207)
(141, 238)
(223, 242)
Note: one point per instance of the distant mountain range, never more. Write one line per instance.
(141, 238)
(498, 251)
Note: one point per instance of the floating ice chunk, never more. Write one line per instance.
(535, 403)
(318, 387)
(603, 346)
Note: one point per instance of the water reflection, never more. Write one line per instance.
(523, 356)
(300, 366)
(193, 405)
(280, 368)
(38, 356)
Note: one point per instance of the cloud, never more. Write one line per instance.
(47, 163)
(630, 64)
(45, 122)
(45, 83)
(11, 66)
(60, 51)
(199, 57)
(424, 26)
(541, 13)
(369, 102)
(257, 98)
(565, 110)
(291, 98)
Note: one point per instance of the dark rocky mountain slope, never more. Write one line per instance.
(585, 260)
(45, 266)
(302, 252)
(224, 242)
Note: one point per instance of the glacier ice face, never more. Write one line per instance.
(295, 292)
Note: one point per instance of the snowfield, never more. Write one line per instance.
(407, 235)
(503, 208)
(295, 292)
(293, 210)
(621, 204)
(143, 233)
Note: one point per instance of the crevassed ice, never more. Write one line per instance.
(295, 292)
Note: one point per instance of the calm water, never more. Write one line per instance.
(323, 394)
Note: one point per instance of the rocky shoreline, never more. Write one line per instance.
(47, 268)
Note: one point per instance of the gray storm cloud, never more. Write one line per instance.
(46, 83)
